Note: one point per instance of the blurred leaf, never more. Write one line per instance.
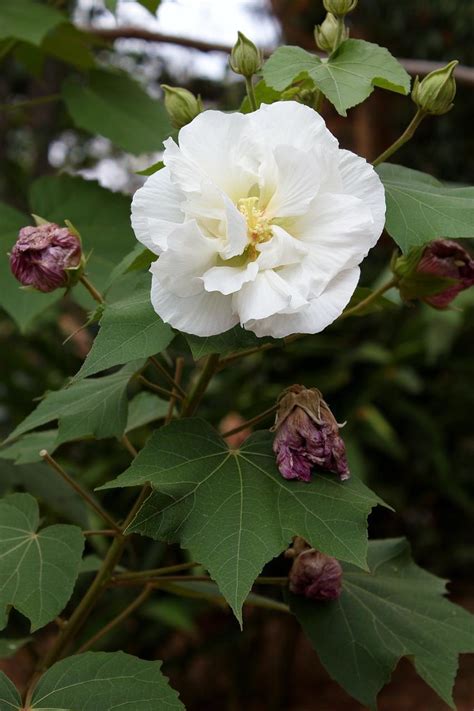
(26, 450)
(39, 569)
(23, 306)
(138, 258)
(145, 408)
(220, 504)
(237, 339)
(47, 486)
(105, 681)
(420, 208)
(67, 43)
(9, 646)
(170, 612)
(151, 5)
(27, 20)
(346, 78)
(102, 218)
(9, 696)
(378, 424)
(129, 329)
(396, 610)
(94, 407)
(115, 106)
(111, 5)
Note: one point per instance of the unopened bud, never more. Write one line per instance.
(182, 106)
(245, 58)
(435, 273)
(46, 256)
(435, 93)
(340, 7)
(307, 435)
(327, 34)
(314, 575)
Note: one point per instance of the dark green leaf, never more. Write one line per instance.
(129, 329)
(237, 339)
(94, 407)
(346, 78)
(222, 504)
(395, 610)
(115, 106)
(27, 20)
(102, 218)
(145, 408)
(22, 305)
(105, 681)
(9, 696)
(26, 450)
(151, 5)
(420, 208)
(39, 569)
(138, 259)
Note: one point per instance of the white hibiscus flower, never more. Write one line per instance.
(259, 219)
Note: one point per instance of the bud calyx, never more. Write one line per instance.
(182, 106)
(245, 58)
(435, 93)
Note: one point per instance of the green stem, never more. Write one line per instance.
(139, 600)
(372, 297)
(31, 102)
(128, 445)
(154, 572)
(95, 293)
(147, 577)
(158, 389)
(161, 369)
(251, 93)
(44, 454)
(404, 138)
(253, 421)
(340, 33)
(178, 371)
(195, 396)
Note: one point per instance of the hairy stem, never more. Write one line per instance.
(404, 138)
(79, 489)
(248, 423)
(95, 293)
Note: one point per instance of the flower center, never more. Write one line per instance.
(258, 226)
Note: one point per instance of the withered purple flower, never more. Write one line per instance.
(445, 258)
(43, 254)
(313, 574)
(307, 434)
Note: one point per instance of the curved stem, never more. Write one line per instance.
(128, 445)
(248, 423)
(95, 293)
(161, 369)
(251, 93)
(195, 396)
(158, 389)
(153, 572)
(177, 379)
(404, 138)
(372, 297)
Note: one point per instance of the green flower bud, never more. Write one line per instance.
(245, 58)
(327, 34)
(340, 7)
(435, 93)
(182, 106)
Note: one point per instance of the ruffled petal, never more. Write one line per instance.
(360, 180)
(315, 317)
(228, 280)
(281, 250)
(267, 294)
(297, 182)
(156, 210)
(205, 314)
(189, 255)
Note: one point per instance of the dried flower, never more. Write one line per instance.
(44, 256)
(313, 574)
(435, 273)
(307, 434)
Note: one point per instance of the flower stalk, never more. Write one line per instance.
(408, 133)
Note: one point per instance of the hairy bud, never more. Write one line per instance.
(182, 106)
(46, 256)
(327, 34)
(245, 58)
(435, 93)
(313, 574)
(435, 273)
(307, 434)
(340, 7)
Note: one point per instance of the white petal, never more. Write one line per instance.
(314, 318)
(156, 210)
(280, 250)
(235, 230)
(201, 315)
(267, 294)
(360, 179)
(288, 123)
(180, 268)
(228, 280)
(297, 182)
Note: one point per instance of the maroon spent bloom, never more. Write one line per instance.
(307, 434)
(313, 574)
(43, 254)
(445, 258)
